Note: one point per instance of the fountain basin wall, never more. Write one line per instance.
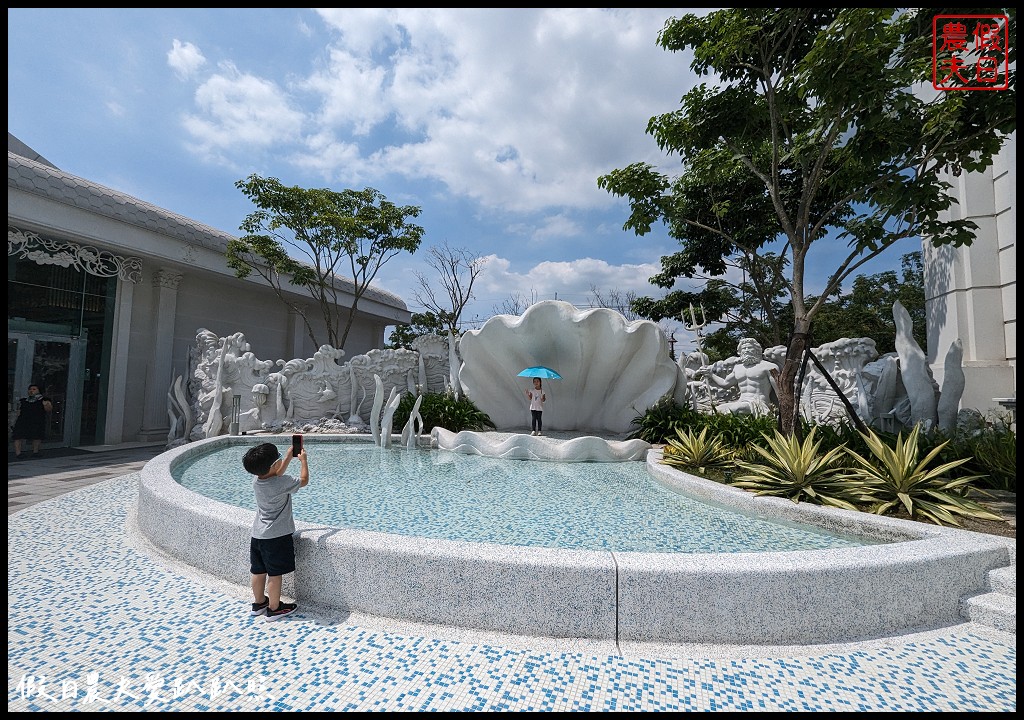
(914, 581)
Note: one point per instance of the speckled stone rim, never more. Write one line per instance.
(914, 580)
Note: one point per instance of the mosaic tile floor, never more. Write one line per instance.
(97, 622)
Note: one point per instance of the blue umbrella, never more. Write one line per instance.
(539, 371)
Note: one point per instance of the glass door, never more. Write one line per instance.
(56, 364)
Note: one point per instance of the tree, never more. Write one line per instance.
(751, 307)
(866, 311)
(421, 324)
(817, 133)
(459, 269)
(615, 299)
(323, 229)
(515, 304)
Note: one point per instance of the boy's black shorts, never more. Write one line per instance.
(273, 556)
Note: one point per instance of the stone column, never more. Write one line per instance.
(120, 345)
(159, 371)
(970, 291)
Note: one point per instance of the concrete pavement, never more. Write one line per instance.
(59, 471)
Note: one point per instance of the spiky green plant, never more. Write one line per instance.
(799, 471)
(697, 453)
(899, 478)
(993, 455)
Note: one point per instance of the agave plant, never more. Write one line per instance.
(899, 479)
(696, 452)
(797, 470)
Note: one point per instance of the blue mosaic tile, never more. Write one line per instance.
(97, 624)
(442, 494)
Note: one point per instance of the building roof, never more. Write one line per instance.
(40, 177)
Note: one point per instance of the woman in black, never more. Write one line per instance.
(31, 422)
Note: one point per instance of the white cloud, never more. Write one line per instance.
(556, 226)
(241, 112)
(570, 281)
(185, 59)
(518, 109)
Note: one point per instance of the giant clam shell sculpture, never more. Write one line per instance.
(612, 370)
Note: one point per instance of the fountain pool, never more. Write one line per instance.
(452, 496)
(898, 576)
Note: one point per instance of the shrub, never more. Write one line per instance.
(900, 480)
(994, 456)
(886, 477)
(697, 453)
(740, 431)
(801, 472)
(661, 421)
(843, 434)
(991, 455)
(443, 410)
(666, 417)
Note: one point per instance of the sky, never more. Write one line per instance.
(497, 123)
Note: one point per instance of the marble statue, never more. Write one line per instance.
(306, 394)
(235, 370)
(434, 353)
(312, 385)
(397, 368)
(414, 426)
(953, 382)
(453, 365)
(845, 358)
(203, 379)
(518, 446)
(180, 414)
(753, 377)
(915, 373)
(690, 391)
(891, 392)
(613, 371)
(388, 417)
(883, 389)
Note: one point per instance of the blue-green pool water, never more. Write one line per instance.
(448, 495)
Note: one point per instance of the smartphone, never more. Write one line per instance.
(296, 445)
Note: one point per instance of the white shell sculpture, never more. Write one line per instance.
(612, 370)
(517, 446)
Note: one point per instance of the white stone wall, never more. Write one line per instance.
(185, 285)
(224, 306)
(971, 292)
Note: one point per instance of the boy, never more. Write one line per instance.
(271, 550)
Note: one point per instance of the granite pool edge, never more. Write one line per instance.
(806, 597)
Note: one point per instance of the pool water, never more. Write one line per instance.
(453, 496)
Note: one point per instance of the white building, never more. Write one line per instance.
(971, 292)
(106, 293)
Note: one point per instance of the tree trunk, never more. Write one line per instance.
(788, 410)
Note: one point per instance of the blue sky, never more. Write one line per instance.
(496, 122)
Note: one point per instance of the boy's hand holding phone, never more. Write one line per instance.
(300, 453)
